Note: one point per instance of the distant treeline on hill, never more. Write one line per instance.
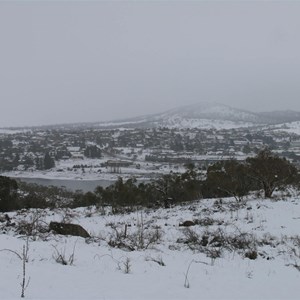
(266, 171)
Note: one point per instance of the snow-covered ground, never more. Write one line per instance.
(159, 259)
(292, 127)
(94, 171)
(179, 122)
(13, 131)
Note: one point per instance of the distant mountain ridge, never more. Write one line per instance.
(278, 117)
(207, 115)
(213, 111)
(200, 115)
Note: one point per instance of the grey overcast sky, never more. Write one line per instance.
(78, 61)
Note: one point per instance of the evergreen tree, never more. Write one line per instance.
(48, 162)
(92, 152)
(228, 178)
(271, 171)
(8, 193)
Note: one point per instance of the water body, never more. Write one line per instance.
(70, 184)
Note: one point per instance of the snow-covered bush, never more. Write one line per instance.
(141, 237)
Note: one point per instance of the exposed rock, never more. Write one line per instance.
(68, 229)
(252, 254)
(204, 241)
(187, 223)
(5, 218)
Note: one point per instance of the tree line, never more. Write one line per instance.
(266, 171)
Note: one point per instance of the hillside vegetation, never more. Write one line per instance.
(230, 233)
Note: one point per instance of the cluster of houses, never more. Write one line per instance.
(27, 148)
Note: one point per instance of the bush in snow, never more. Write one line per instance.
(142, 237)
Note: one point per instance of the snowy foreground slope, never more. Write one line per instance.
(158, 259)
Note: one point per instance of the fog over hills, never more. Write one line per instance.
(207, 115)
(212, 111)
(200, 115)
(278, 117)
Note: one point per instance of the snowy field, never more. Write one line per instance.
(146, 254)
(93, 171)
(292, 127)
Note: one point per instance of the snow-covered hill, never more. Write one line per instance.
(233, 250)
(212, 111)
(206, 115)
(201, 115)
